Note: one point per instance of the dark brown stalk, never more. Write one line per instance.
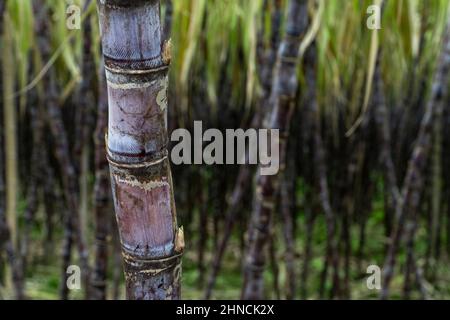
(406, 209)
(235, 202)
(33, 182)
(311, 209)
(117, 261)
(267, 59)
(384, 138)
(70, 186)
(320, 168)
(50, 199)
(168, 17)
(202, 227)
(36, 175)
(84, 128)
(364, 207)
(67, 169)
(272, 252)
(3, 226)
(102, 194)
(436, 216)
(137, 63)
(4, 232)
(287, 209)
(284, 90)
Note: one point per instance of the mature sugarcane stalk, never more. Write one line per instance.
(136, 64)
(275, 270)
(436, 194)
(84, 126)
(64, 157)
(407, 207)
(320, 169)
(267, 59)
(35, 179)
(381, 117)
(283, 93)
(392, 192)
(70, 186)
(203, 223)
(50, 199)
(287, 207)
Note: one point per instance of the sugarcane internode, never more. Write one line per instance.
(136, 63)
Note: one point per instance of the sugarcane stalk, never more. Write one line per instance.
(287, 205)
(102, 194)
(284, 89)
(267, 59)
(406, 208)
(137, 63)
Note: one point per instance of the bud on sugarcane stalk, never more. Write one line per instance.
(136, 64)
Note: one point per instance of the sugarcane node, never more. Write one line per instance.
(114, 4)
(135, 265)
(139, 165)
(137, 72)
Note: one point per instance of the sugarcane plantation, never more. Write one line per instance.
(211, 151)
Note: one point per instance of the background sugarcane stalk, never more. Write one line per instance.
(62, 153)
(320, 169)
(283, 93)
(136, 63)
(406, 209)
(35, 180)
(102, 195)
(267, 59)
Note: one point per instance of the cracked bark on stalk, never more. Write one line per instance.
(136, 64)
(283, 93)
(407, 207)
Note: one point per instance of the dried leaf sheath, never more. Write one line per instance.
(136, 65)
